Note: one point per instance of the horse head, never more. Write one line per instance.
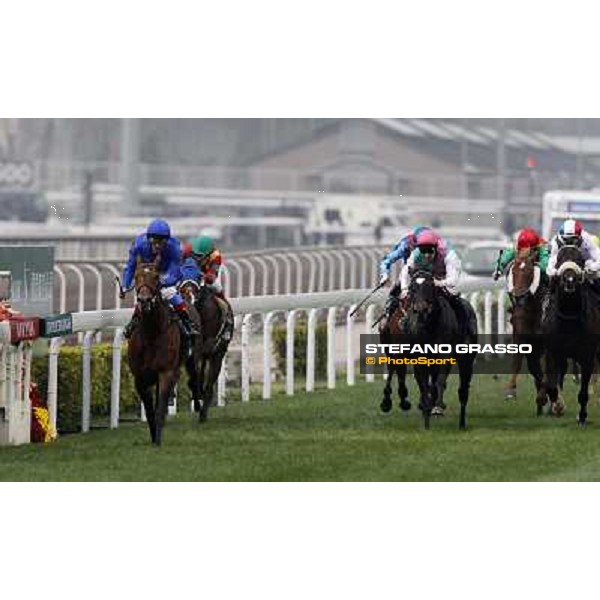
(524, 275)
(147, 284)
(423, 299)
(569, 265)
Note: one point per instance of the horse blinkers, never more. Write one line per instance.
(570, 279)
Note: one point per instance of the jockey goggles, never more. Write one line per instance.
(428, 250)
(157, 239)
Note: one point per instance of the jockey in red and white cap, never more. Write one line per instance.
(572, 233)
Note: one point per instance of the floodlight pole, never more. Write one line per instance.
(130, 154)
(501, 163)
(579, 166)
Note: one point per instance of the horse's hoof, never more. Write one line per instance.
(437, 411)
(581, 424)
(557, 409)
(405, 405)
(510, 395)
(385, 406)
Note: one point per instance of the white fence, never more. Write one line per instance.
(283, 271)
(15, 361)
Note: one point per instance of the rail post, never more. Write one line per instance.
(310, 349)
(267, 351)
(86, 382)
(52, 398)
(246, 322)
(289, 352)
(115, 388)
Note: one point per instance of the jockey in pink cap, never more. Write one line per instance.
(433, 254)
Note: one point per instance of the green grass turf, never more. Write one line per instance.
(336, 435)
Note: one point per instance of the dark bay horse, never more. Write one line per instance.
(389, 330)
(155, 349)
(571, 328)
(525, 292)
(431, 319)
(209, 348)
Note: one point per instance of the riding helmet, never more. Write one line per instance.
(158, 229)
(528, 238)
(570, 232)
(427, 238)
(202, 246)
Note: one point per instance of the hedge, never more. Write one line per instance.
(300, 335)
(70, 384)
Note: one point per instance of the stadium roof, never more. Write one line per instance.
(401, 127)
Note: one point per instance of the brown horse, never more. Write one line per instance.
(388, 329)
(209, 348)
(155, 348)
(526, 292)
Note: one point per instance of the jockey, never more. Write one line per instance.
(209, 259)
(527, 238)
(572, 233)
(147, 246)
(433, 254)
(401, 251)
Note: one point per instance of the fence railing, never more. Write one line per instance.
(90, 284)
(15, 360)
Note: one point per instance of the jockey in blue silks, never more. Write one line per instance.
(147, 246)
(401, 251)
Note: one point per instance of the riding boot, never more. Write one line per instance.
(130, 327)
(391, 306)
(393, 301)
(188, 325)
(461, 314)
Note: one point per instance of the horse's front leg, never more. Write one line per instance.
(214, 368)
(192, 371)
(402, 389)
(147, 400)
(422, 377)
(534, 365)
(442, 380)
(166, 386)
(554, 368)
(583, 396)
(465, 371)
(510, 391)
(386, 403)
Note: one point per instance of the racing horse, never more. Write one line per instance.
(571, 328)
(430, 319)
(389, 330)
(209, 347)
(155, 351)
(525, 293)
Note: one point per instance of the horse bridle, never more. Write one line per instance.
(194, 284)
(153, 293)
(411, 309)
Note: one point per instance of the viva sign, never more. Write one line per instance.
(24, 329)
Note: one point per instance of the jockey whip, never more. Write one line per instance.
(497, 271)
(117, 281)
(376, 289)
